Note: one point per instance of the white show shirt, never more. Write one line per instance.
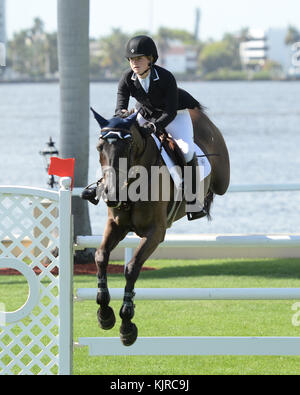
(145, 82)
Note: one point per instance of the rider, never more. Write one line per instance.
(161, 104)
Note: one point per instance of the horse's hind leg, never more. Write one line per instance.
(112, 236)
(128, 330)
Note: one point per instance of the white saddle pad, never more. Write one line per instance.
(204, 165)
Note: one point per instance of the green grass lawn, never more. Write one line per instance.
(188, 318)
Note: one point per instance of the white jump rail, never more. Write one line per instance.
(206, 345)
(196, 294)
(264, 188)
(198, 240)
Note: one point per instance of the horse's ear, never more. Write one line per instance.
(131, 119)
(101, 121)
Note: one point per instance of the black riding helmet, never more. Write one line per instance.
(141, 46)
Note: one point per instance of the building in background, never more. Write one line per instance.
(268, 45)
(253, 51)
(294, 69)
(278, 50)
(179, 58)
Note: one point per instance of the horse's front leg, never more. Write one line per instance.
(113, 234)
(148, 244)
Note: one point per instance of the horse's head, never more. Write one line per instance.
(115, 148)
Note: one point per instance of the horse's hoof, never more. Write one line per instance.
(128, 334)
(106, 318)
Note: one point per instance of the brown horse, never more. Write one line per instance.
(148, 218)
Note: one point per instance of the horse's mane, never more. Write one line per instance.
(202, 108)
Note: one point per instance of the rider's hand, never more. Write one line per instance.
(122, 113)
(150, 128)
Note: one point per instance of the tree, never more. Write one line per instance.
(19, 51)
(243, 34)
(73, 54)
(38, 26)
(215, 56)
(165, 34)
(33, 52)
(51, 52)
(233, 46)
(113, 51)
(292, 36)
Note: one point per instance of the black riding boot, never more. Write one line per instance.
(200, 210)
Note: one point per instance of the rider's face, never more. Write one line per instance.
(139, 64)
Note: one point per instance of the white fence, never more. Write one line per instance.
(211, 240)
(35, 222)
(197, 293)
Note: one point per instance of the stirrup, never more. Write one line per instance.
(196, 215)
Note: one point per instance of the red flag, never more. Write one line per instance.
(62, 167)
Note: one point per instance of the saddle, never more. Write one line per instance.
(173, 150)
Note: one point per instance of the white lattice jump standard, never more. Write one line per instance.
(37, 338)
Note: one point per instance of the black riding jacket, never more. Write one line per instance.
(162, 101)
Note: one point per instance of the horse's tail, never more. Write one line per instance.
(208, 202)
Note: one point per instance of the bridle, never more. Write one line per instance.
(113, 134)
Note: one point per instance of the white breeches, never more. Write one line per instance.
(181, 129)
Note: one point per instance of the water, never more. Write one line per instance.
(260, 122)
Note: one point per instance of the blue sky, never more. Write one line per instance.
(218, 16)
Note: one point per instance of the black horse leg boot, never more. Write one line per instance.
(194, 187)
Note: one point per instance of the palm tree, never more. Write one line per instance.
(112, 50)
(292, 36)
(73, 55)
